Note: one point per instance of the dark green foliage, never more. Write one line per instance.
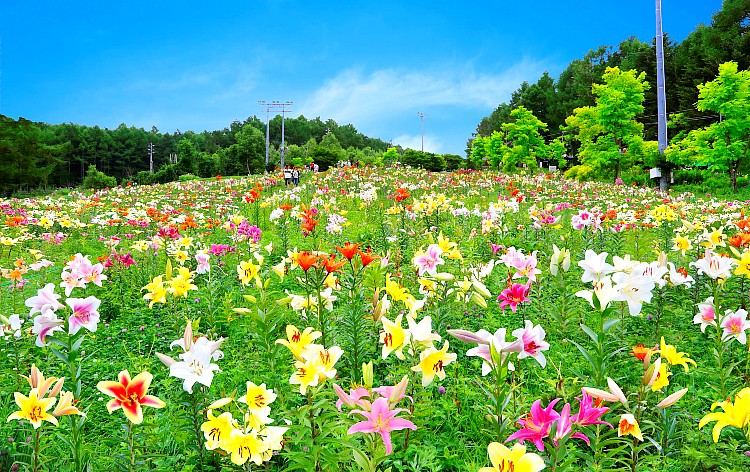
(98, 180)
(25, 159)
(425, 160)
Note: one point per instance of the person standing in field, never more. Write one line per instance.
(287, 175)
(295, 176)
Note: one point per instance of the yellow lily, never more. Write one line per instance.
(735, 414)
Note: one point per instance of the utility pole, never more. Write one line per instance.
(151, 157)
(422, 116)
(661, 99)
(276, 105)
(262, 103)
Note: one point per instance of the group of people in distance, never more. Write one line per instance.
(291, 173)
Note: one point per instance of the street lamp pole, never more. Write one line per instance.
(661, 96)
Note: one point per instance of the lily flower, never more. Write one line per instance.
(635, 289)
(217, 429)
(515, 294)
(45, 325)
(432, 362)
(130, 395)
(628, 425)
(735, 414)
(706, 314)
(536, 425)
(669, 353)
(297, 341)
(714, 266)
(735, 324)
(394, 337)
(516, 459)
(33, 408)
(381, 420)
(85, 314)
(588, 414)
(45, 299)
(533, 342)
(594, 266)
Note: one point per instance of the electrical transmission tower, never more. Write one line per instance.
(276, 106)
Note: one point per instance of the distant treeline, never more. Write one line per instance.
(41, 154)
(693, 61)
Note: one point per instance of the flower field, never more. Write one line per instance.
(375, 320)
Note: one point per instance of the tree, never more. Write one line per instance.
(390, 156)
(187, 157)
(24, 159)
(608, 132)
(524, 141)
(425, 160)
(724, 145)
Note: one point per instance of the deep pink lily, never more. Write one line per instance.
(587, 413)
(565, 427)
(381, 420)
(517, 293)
(537, 424)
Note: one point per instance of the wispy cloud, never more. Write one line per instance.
(356, 96)
(431, 143)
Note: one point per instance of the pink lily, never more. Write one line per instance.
(381, 420)
(533, 342)
(514, 295)
(565, 427)
(84, 315)
(353, 398)
(45, 299)
(537, 424)
(735, 324)
(45, 325)
(203, 265)
(587, 413)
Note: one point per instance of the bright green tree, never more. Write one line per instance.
(523, 141)
(724, 145)
(609, 134)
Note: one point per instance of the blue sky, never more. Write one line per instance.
(201, 65)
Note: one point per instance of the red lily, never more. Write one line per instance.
(130, 395)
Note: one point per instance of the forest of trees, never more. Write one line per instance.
(561, 105)
(40, 154)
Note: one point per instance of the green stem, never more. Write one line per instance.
(131, 447)
(35, 459)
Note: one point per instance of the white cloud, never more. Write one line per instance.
(431, 143)
(355, 96)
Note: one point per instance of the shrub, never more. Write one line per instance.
(97, 180)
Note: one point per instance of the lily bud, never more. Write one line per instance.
(647, 359)
(477, 298)
(650, 376)
(399, 390)
(480, 288)
(444, 276)
(672, 399)
(343, 396)
(166, 360)
(56, 389)
(600, 394)
(367, 373)
(467, 336)
(187, 336)
(617, 391)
